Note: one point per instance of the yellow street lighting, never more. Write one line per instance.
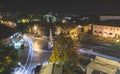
(35, 29)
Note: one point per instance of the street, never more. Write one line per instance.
(36, 53)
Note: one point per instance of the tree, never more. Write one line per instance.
(8, 59)
(63, 53)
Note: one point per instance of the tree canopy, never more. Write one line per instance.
(8, 59)
(63, 51)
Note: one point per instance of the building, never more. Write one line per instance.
(107, 28)
(103, 66)
(49, 18)
(109, 17)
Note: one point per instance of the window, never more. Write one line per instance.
(100, 32)
(110, 33)
(117, 29)
(105, 32)
(95, 31)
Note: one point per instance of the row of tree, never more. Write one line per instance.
(64, 54)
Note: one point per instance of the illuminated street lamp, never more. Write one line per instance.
(79, 26)
(35, 29)
(64, 21)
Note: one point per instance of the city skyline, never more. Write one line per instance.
(79, 7)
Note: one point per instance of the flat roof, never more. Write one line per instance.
(109, 23)
(104, 65)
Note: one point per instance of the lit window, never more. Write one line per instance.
(105, 34)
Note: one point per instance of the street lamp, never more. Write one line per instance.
(35, 29)
(79, 26)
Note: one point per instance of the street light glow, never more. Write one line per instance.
(35, 27)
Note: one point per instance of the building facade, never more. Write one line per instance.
(106, 31)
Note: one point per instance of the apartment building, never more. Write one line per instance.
(108, 28)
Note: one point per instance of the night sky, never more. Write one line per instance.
(62, 6)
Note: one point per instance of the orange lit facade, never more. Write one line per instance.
(106, 31)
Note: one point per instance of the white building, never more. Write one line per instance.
(107, 29)
(103, 66)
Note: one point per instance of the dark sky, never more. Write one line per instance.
(63, 6)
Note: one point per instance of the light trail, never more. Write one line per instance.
(19, 43)
(26, 68)
(98, 54)
(33, 56)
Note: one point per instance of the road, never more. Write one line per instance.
(98, 48)
(33, 55)
(88, 51)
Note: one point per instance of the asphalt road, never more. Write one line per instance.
(99, 48)
(34, 54)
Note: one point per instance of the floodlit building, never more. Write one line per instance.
(108, 28)
(103, 66)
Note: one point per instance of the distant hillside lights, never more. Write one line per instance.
(8, 23)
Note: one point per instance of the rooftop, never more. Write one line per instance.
(100, 64)
(109, 23)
